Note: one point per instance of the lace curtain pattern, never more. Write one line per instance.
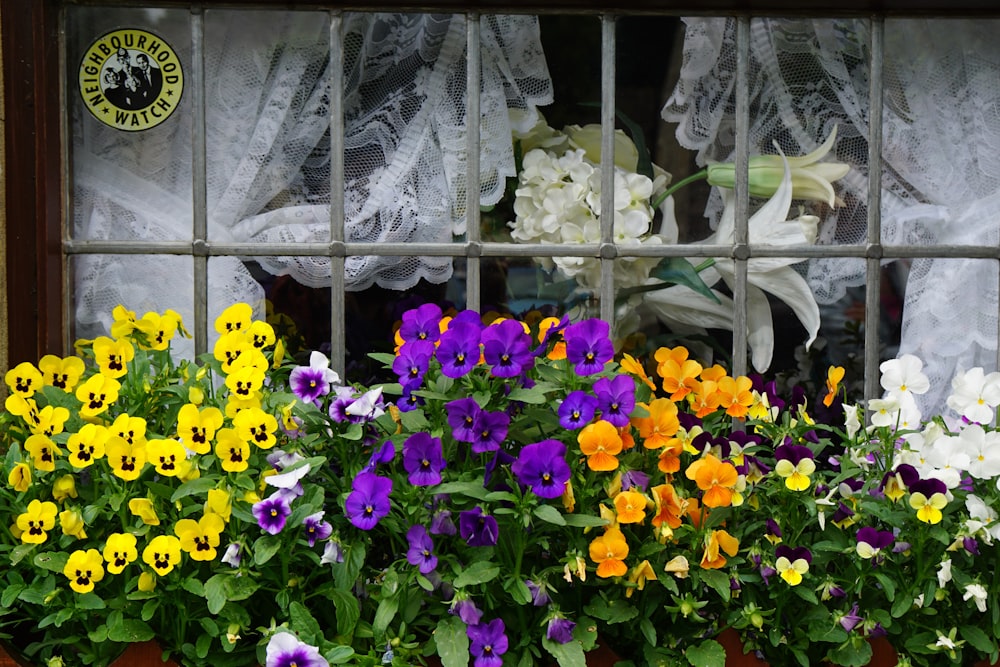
(941, 134)
(268, 150)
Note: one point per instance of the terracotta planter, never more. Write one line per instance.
(143, 654)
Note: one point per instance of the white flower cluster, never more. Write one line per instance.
(558, 200)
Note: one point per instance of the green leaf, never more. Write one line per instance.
(518, 591)
(20, 551)
(202, 644)
(10, 595)
(535, 395)
(614, 611)
(348, 611)
(471, 489)
(852, 653)
(709, 653)
(240, 588)
(584, 520)
(648, 631)
(339, 655)
(265, 548)
(978, 639)
(887, 584)
(550, 514)
(130, 630)
(195, 487)
(303, 623)
(901, 605)
(477, 573)
(452, 642)
(215, 592)
(569, 654)
(99, 634)
(673, 271)
(54, 561)
(89, 601)
(413, 421)
(718, 581)
(386, 611)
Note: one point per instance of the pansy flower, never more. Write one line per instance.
(84, 569)
(458, 349)
(716, 542)
(113, 356)
(715, 478)
(630, 507)
(62, 373)
(872, 541)
(542, 467)
(236, 317)
(465, 608)
(97, 394)
(167, 456)
(119, 551)
(51, 420)
(477, 528)
(462, 414)
(577, 410)
(423, 459)
(311, 382)
(232, 450)
(489, 431)
(36, 521)
(272, 512)
(927, 496)
(126, 459)
(421, 324)
(834, 375)
(506, 349)
(43, 451)
(420, 552)
(200, 538)
(794, 463)
(286, 650)
(615, 399)
(368, 501)
(791, 563)
(256, 427)
(600, 442)
(559, 629)
(609, 551)
(412, 362)
(163, 554)
(660, 426)
(588, 346)
(488, 641)
(87, 445)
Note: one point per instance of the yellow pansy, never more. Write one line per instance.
(196, 428)
(84, 569)
(219, 502)
(130, 429)
(20, 477)
(87, 445)
(113, 356)
(50, 420)
(24, 379)
(71, 522)
(145, 510)
(39, 518)
(119, 551)
(157, 329)
(63, 373)
(236, 317)
(166, 456)
(96, 394)
(63, 488)
(163, 554)
(126, 460)
(200, 538)
(232, 450)
(256, 427)
(43, 451)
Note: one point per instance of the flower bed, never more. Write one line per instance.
(520, 492)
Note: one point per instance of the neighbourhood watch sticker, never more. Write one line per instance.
(131, 80)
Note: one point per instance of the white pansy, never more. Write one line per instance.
(977, 593)
(852, 419)
(983, 450)
(975, 395)
(885, 411)
(982, 519)
(904, 377)
(944, 573)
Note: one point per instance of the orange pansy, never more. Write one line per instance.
(719, 539)
(716, 478)
(600, 442)
(609, 552)
(661, 424)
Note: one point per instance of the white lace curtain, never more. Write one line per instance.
(941, 151)
(268, 149)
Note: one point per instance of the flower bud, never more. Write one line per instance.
(588, 138)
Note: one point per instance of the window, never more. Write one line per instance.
(217, 223)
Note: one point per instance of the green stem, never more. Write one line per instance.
(698, 176)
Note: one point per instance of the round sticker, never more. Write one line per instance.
(131, 80)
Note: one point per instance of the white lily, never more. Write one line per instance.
(769, 226)
(811, 179)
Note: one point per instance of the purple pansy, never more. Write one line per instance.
(285, 650)
(793, 453)
(505, 348)
(560, 630)
(233, 554)
(368, 502)
(421, 550)
(588, 346)
(442, 524)
(333, 552)
(615, 399)
(316, 528)
(421, 324)
(542, 467)
(477, 528)
(412, 361)
(310, 382)
(851, 619)
(488, 643)
(422, 459)
(489, 431)
(380, 455)
(577, 410)
(458, 349)
(463, 607)
(462, 414)
(635, 479)
(272, 512)
(539, 593)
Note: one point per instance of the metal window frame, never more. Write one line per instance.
(472, 249)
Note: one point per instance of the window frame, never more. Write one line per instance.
(36, 188)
